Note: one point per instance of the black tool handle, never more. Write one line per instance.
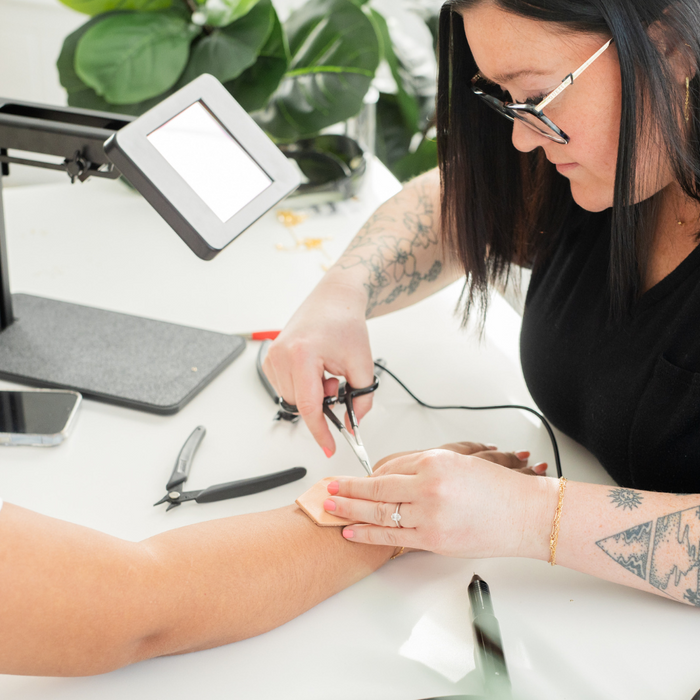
(262, 353)
(244, 487)
(183, 463)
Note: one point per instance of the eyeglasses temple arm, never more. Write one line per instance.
(571, 77)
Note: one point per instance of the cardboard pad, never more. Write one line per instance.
(311, 503)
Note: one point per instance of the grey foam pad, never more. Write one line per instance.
(128, 360)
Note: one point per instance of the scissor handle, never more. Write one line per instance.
(346, 394)
(352, 392)
(328, 412)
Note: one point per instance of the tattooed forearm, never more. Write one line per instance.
(625, 498)
(398, 246)
(665, 552)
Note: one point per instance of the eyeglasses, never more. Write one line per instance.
(529, 114)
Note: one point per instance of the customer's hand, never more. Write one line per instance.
(327, 333)
(517, 461)
(451, 503)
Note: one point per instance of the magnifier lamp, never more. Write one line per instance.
(207, 168)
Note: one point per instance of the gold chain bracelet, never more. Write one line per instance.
(554, 537)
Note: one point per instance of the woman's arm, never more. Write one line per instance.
(74, 601)
(395, 260)
(642, 539)
(468, 507)
(398, 258)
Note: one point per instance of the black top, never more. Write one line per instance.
(629, 392)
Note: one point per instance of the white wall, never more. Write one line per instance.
(31, 35)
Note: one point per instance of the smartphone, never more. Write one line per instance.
(41, 417)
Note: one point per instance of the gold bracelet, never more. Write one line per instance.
(399, 551)
(554, 537)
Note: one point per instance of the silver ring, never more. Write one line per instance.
(396, 516)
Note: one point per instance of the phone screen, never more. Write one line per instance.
(36, 412)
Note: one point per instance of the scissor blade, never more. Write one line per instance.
(359, 451)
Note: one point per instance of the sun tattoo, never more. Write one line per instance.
(625, 498)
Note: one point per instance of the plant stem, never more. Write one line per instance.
(192, 4)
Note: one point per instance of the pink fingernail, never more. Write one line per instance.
(328, 452)
(540, 468)
(492, 447)
(522, 455)
(348, 534)
(333, 488)
(328, 504)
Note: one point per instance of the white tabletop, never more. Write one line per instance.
(403, 632)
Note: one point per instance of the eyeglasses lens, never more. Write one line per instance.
(531, 120)
(536, 124)
(496, 105)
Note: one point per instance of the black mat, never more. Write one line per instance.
(126, 360)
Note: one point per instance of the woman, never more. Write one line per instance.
(595, 186)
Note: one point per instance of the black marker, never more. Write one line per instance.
(488, 648)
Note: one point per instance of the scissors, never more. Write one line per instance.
(175, 496)
(346, 395)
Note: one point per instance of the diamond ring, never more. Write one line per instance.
(396, 516)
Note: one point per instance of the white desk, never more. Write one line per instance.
(566, 635)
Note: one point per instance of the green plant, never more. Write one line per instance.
(296, 78)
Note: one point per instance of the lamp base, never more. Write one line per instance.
(112, 357)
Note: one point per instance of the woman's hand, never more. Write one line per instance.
(327, 333)
(451, 503)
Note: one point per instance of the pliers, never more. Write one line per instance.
(175, 496)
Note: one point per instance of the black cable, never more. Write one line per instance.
(550, 432)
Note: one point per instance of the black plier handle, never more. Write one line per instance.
(175, 496)
(234, 489)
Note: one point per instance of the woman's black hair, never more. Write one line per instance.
(501, 206)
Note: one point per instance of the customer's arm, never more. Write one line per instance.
(74, 601)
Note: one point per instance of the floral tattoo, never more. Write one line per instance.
(388, 256)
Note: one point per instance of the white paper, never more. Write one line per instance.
(442, 638)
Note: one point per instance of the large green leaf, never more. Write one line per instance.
(79, 94)
(393, 139)
(424, 158)
(96, 7)
(133, 56)
(334, 55)
(220, 13)
(253, 87)
(227, 52)
(406, 96)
